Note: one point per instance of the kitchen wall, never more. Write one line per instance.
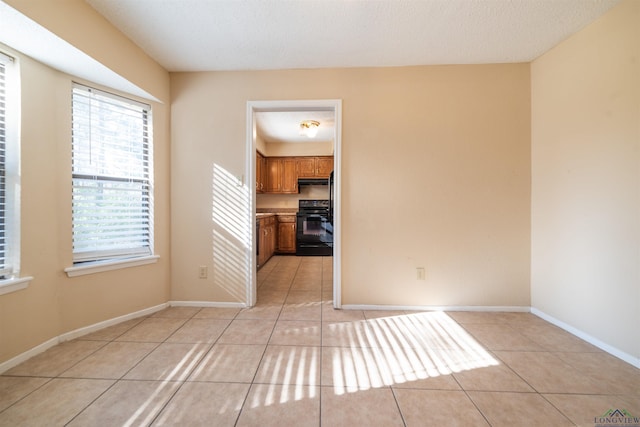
(586, 181)
(290, 201)
(276, 149)
(54, 304)
(435, 174)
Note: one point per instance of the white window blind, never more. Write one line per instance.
(4, 267)
(8, 199)
(112, 170)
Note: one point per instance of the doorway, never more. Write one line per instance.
(257, 107)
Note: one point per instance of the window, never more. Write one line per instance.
(111, 172)
(9, 178)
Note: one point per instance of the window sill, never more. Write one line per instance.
(12, 285)
(100, 266)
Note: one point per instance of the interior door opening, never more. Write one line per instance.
(280, 128)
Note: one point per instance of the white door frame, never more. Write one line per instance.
(253, 107)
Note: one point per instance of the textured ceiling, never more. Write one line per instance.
(206, 35)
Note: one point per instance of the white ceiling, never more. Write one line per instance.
(284, 126)
(214, 35)
(207, 35)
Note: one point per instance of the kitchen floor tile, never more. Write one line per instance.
(346, 334)
(229, 363)
(55, 403)
(509, 409)
(110, 333)
(547, 373)
(204, 404)
(296, 332)
(582, 409)
(200, 331)
(438, 408)
(152, 330)
(169, 361)
(247, 331)
(304, 311)
(261, 311)
(552, 338)
(271, 405)
(352, 369)
(12, 389)
(611, 375)
(435, 382)
(495, 336)
(57, 359)
(127, 403)
(492, 378)
(217, 313)
(177, 312)
(112, 361)
(370, 407)
(304, 297)
(298, 365)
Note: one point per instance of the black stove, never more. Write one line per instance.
(314, 234)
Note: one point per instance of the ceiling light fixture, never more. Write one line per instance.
(309, 128)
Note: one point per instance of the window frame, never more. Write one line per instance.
(102, 258)
(10, 280)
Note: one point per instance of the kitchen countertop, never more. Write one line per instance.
(268, 214)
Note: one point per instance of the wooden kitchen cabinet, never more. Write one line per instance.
(267, 240)
(306, 167)
(314, 167)
(281, 175)
(324, 166)
(286, 234)
(260, 175)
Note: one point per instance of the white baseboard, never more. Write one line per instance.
(632, 360)
(67, 336)
(5, 366)
(207, 304)
(437, 308)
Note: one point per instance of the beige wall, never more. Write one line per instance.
(435, 173)
(53, 303)
(276, 149)
(586, 180)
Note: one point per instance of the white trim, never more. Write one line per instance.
(337, 207)
(5, 58)
(68, 336)
(251, 290)
(207, 304)
(634, 361)
(12, 285)
(490, 308)
(100, 266)
(5, 366)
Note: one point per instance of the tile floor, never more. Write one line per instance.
(294, 361)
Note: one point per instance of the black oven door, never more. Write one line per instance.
(314, 235)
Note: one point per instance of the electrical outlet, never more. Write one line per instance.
(202, 272)
(421, 275)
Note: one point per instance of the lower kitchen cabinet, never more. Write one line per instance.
(286, 234)
(267, 239)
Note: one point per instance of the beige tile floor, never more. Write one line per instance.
(294, 361)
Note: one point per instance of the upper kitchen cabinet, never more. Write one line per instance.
(314, 167)
(281, 175)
